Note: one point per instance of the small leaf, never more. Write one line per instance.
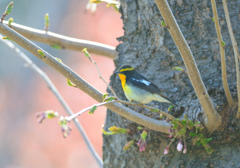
(209, 139)
(192, 134)
(169, 108)
(154, 110)
(163, 23)
(118, 130)
(58, 59)
(70, 83)
(9, 8)
(223, 44)
(128, 145)
(139, 128)
(105, 95)
(41, 53)
(178, 69)
(109, 99)
(86, 53)
(93, 109)
(6, 38)
(10, 20)
(107, 133)
(55, 46)
(46, 19)
(144, 135)
(95, 1)
(213, 19)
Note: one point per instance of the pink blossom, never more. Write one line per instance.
(180, 146)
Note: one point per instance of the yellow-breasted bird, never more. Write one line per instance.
(138, 88)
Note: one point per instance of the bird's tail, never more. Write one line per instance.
(164, 99)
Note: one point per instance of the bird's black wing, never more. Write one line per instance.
(143, 83)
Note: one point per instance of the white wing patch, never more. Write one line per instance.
(143, 81)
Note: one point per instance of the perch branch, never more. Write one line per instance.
(235, 50)
(64, 42)
(213, 119)
(153, 124)
(52, 87)
(222, 51)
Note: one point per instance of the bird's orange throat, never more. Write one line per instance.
(123, 79)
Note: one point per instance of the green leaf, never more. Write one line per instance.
(109, 99)
(93, 109)
(70, 83)
(46, 19)
(118, 130)
(86, 52)
(10, 20)
(144, 135)
(169, 108)
(58, 59)
(154, 110)
(41, 53)
(55, 46)
(192, 134)
(6, 38)
(107, 133)
(163, 23)
(51, 114)
(105, 95)
(139, 128)
(9, 8)
(199, 143)
(213, 19)
(178, 69)
(128, 145)
(209, 139)
(223, 44)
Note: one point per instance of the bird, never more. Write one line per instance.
(138, 88)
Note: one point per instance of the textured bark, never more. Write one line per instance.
(148, 46)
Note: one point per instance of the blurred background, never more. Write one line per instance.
(24, 143)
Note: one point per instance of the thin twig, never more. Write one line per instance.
(69, 118)
(236, 52)
(158, 125)
(64, 42)
(213, 119)
(222, 51)
(100, 75)
(52, 87)
(147, 107)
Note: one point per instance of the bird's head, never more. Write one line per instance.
(125, 70)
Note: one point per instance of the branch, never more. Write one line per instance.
(148, 107)
(71, 117)
(100, 75)
(213, 119)
(63, 41)
(161, 126)
(58, 96)
(222, 51)
(236, 52)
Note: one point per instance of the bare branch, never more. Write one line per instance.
(235, 50)
(161, 126)
(69, 118)
(100, 75)
(222, 51)
(213, 119)
(64, 42)
(52, 87)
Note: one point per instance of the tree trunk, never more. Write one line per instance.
(148, 46)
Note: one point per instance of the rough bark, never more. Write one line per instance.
(149, 47)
